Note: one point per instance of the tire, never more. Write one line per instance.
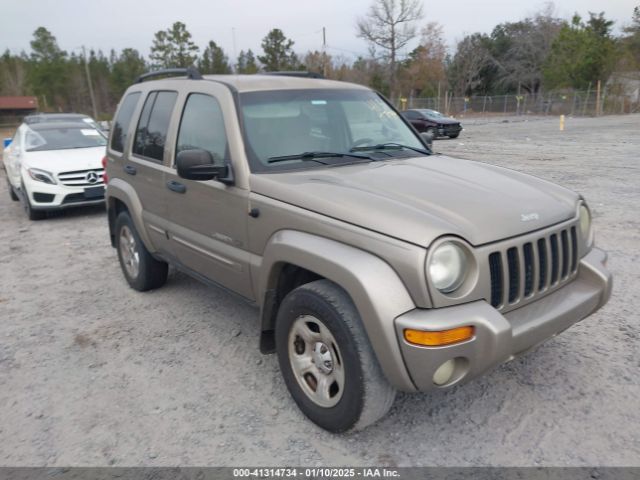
(454, 136)
(31, 213)
(356, 393)
(140, 269)
(12, 192)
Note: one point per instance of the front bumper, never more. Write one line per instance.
(58, 197)
(446, 130)
(500, 337)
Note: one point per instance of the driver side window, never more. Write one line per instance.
(202, 128)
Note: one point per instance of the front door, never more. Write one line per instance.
(208, 219)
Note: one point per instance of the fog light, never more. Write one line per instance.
(444, 373)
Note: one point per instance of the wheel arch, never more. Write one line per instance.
(122, 197)
(292, 257)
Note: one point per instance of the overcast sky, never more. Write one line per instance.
(241, 24)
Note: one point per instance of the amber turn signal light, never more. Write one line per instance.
(438, 338)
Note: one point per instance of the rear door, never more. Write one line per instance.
(145, 168)
(416, 120)
(208, 219)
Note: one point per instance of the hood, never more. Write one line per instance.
(444, 120)
(420, 199)
(58, 161)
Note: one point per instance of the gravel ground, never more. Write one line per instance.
(94, 373)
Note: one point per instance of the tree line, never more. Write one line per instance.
(540, 52)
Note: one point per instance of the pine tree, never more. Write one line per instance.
(173, 48)
(278, 53)
(214, 60)
(48, 76)
(246, 63)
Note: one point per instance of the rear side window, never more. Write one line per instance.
(122, 122)
(151, 134)
(202, 127)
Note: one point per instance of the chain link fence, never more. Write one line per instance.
(576, 103)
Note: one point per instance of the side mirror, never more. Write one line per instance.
(198, 165)
(428, 137)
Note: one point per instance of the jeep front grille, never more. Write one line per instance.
(523, 271)
(82, 178)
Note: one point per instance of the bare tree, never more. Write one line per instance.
(472, 56)
(521, 49)
(13, 74)
(425, 66)
(390, 25)
(319, 62)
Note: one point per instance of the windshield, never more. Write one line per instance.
(292, 122)
(62, 138)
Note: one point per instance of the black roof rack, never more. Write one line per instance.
(297, 74)
(191, 73)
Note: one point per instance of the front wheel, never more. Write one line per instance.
(454, 136)
(12, 192)
(327, 361)
(140, 269)
(28, 208)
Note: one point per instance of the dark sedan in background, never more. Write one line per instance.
(425, 120)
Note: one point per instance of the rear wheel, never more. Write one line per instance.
(140, 269)
(326, 360)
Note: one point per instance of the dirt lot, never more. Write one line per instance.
(93, 373)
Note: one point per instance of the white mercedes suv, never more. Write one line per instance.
(56, 165)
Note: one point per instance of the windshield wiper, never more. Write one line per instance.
(314, 156)
(390, 145)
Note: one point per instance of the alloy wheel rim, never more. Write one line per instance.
(129, 252)
(316, 361)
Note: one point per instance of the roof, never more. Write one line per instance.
(251, 83)
(18, 103)
(59, 125)
(246, 83)
(54, 117)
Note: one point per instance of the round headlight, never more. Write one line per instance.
(585, 224)
(447, 267)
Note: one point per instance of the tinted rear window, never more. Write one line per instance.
(151, 134)
(122, 122)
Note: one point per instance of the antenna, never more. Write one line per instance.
(233, 39)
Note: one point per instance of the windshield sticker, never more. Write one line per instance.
(87, 120)
(90, 132)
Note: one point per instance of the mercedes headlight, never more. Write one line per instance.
(41, 176)
(585, 225)
(447, 267)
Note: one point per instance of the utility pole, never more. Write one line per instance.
(93, 98)
(324, 52)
